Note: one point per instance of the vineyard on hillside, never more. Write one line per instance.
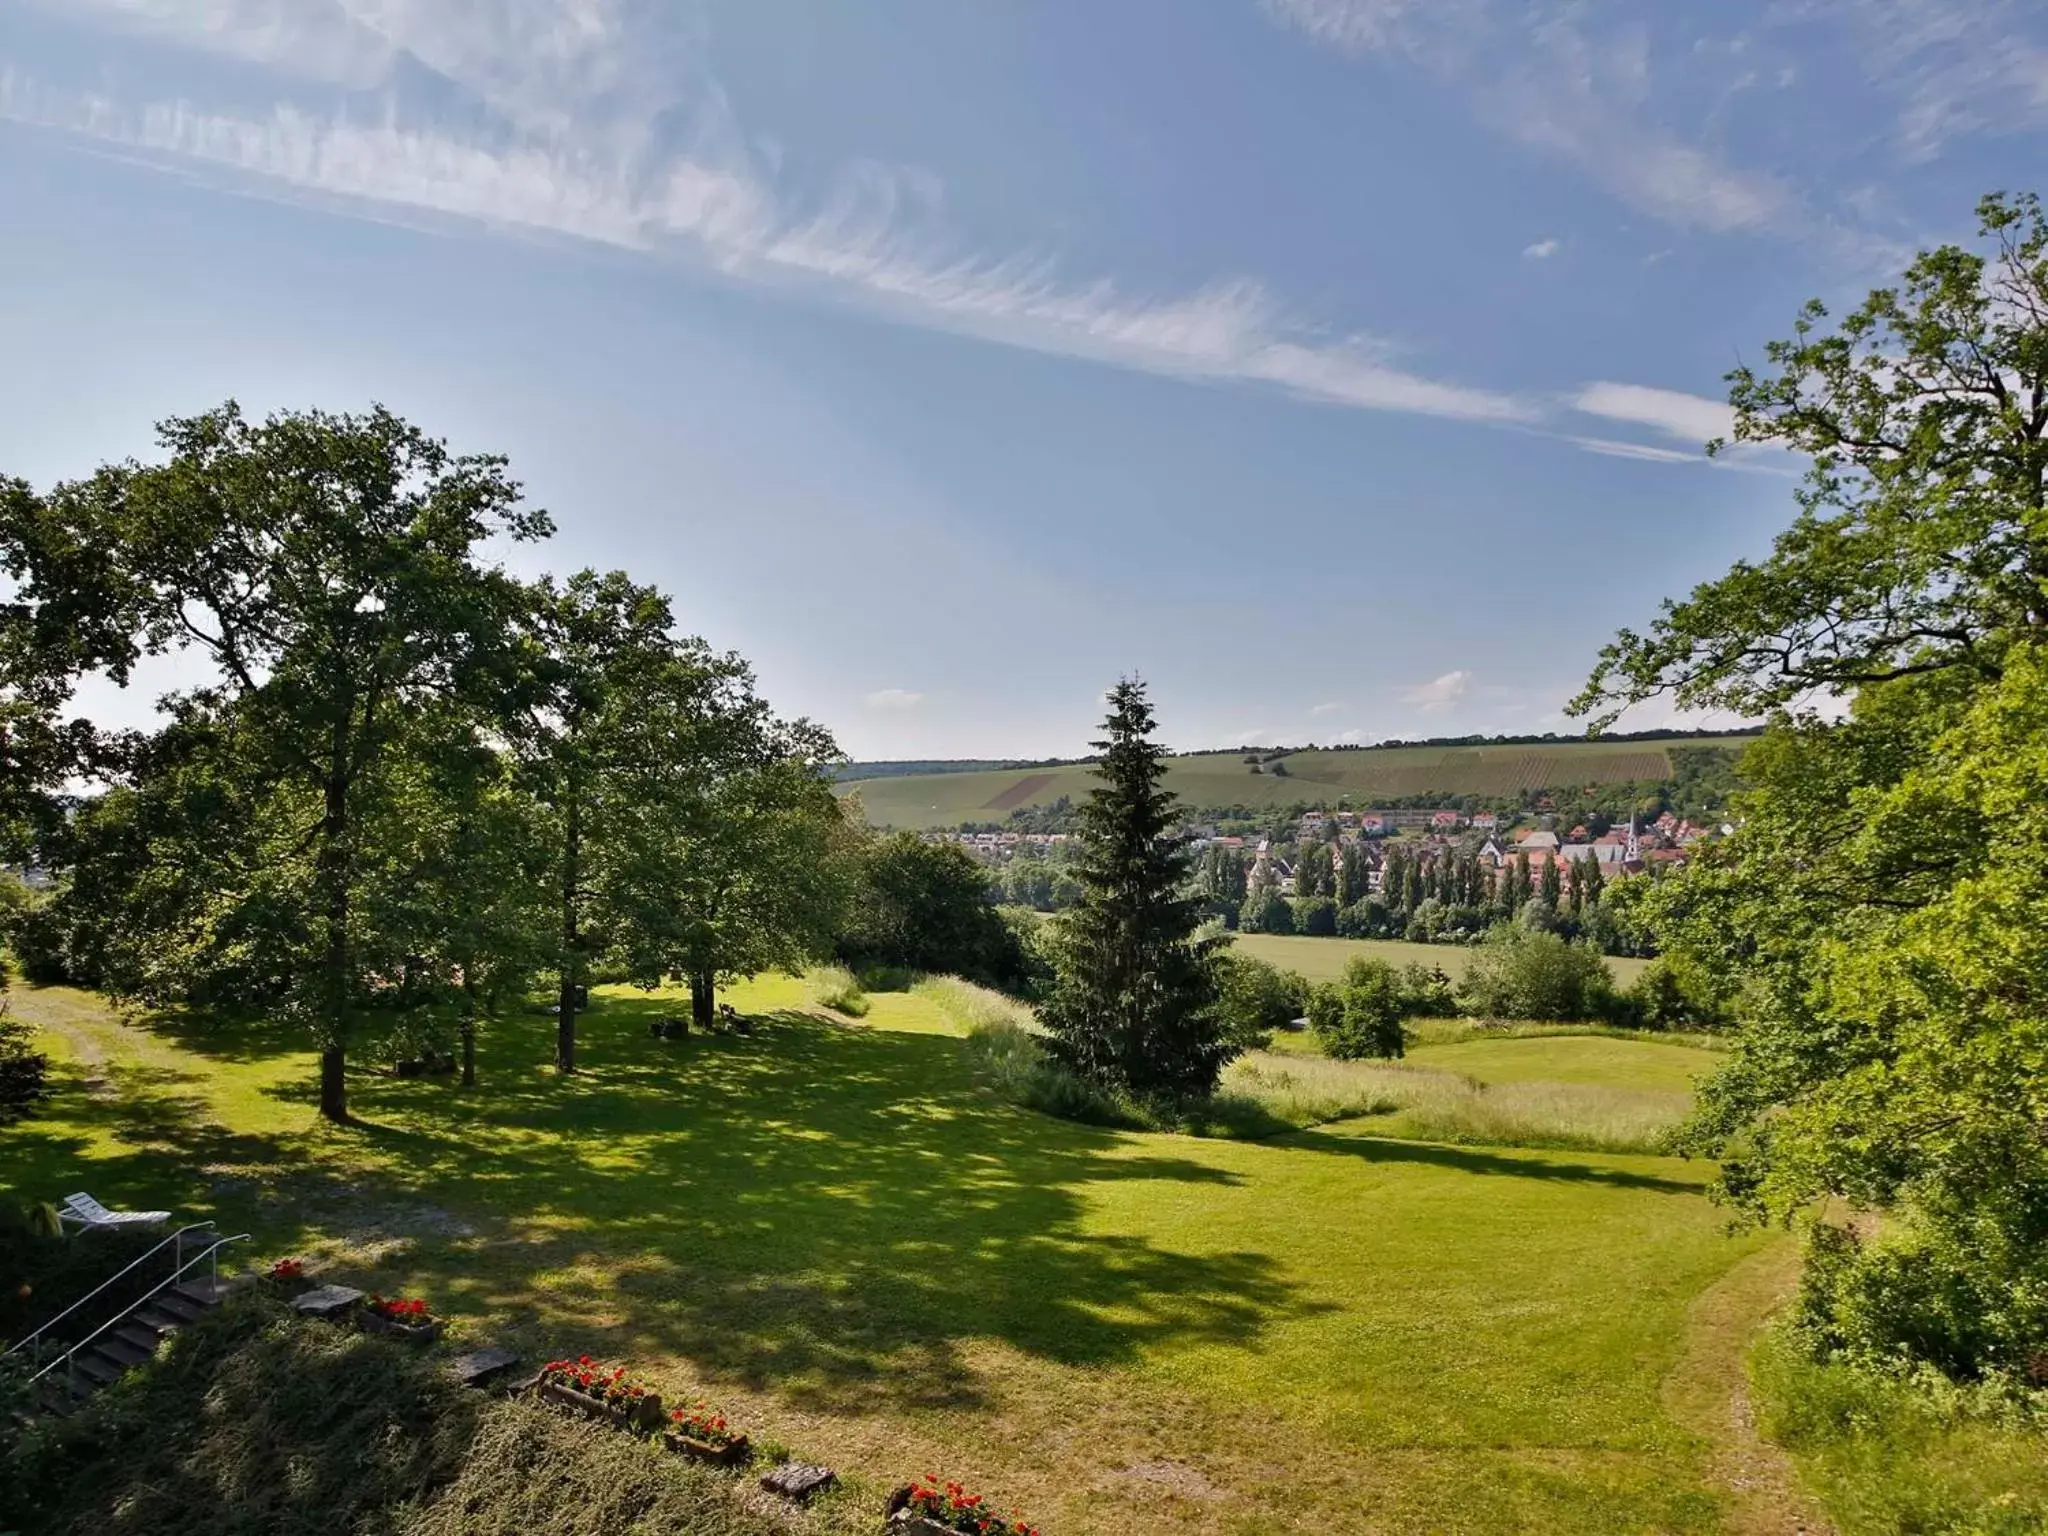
(1359, 779)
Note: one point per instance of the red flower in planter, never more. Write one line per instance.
(950, 1505)
(400, 1309)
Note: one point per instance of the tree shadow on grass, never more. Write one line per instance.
(1529, 1164)
(825, 1210)
(820, 1209)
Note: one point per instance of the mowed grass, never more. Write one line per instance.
(1643, 1066)
(1218, 779)
(825, 1230)
(1325, 959)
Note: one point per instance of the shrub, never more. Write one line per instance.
(1427, 992)
(1361, 1014)
(1925, 1293)
(1266, 912)
(1256, 998)
(925, 906)
(24, 1070)
(834, 987)
(1668, 996)
(1519, 973)
(1367, 918)
(1316, 916)
(36, 933)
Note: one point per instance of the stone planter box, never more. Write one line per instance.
(730, 1454)
(904, 1523)
(412, 1333)
(647, 1415)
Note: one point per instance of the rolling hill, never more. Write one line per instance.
(1212, 780)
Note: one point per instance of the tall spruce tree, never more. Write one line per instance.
(1134, 1007)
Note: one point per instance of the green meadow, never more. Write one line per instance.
(1325, 959)
(1216, 779)
(826, 1230)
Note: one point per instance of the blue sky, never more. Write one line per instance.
(1340, 366)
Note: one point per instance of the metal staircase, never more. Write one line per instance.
(173, 1284)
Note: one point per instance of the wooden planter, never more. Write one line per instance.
(730, 1454)
(412, 1333)
(646, 1415)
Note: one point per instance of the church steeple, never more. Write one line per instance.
(1632, 850)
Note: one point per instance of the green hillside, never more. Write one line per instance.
(1217, 779)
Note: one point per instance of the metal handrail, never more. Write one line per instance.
(177, 1237)
(211, 1255)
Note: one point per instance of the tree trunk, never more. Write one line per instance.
(333, 867)
(468, 1028)
(572, 937)
(703, 999)
(333, 1086)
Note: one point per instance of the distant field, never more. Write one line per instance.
(1593, 1061)
(1325, 959)
(1213, 779)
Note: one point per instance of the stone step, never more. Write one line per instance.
(157, 1321)
(203, 1293)
(98, 1367)
(122, 1352)
(178, 1306)
(140, 1335)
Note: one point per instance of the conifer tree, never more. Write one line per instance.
(1350, 876)
(1134, 1005)
(1594, 879)
(1551, 885)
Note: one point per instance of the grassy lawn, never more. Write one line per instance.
(826, 1230)
(1325, 959)
(1597, 1061)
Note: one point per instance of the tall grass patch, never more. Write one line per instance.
(1890, 1453)
(1425, 1104)
(1005, 1053)
(837, 988)
(970, 1005)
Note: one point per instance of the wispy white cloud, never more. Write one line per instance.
(1317, 711)
(1615, 448)
(568, 131)
(1953, 68)
(1543, 250)
(893, 698)
(1439, 693)
(1688, 418)
(1542, 76)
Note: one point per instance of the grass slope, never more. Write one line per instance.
(826, 1231)
(255, 1422)
(1218, 779)
(1325, 959)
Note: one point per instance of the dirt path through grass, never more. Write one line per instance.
(1708, 1393)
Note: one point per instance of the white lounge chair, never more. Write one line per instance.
(88, 1212)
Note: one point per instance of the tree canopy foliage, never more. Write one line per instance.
(1875, 922)
(412, 783)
